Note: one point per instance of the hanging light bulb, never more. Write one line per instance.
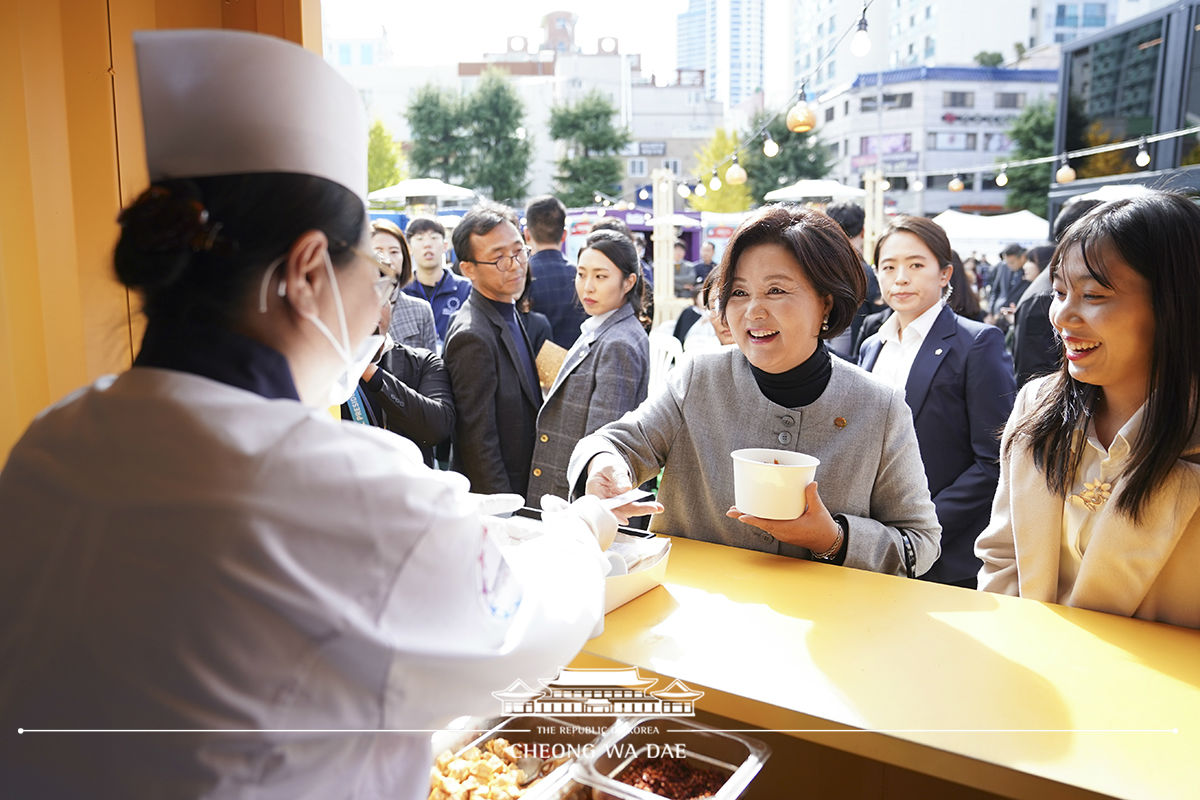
(684, 190)
(885, 184)
(644, 194)
(736, 174)
(956, 184)
(1065, 173)
(801, 118)
(1142, 159)
(770, 146)
(1002, 178)
(916, 184)
(700, 190)
(860, 44)
(714, 183)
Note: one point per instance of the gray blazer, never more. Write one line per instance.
(859, 428)
(599, 381)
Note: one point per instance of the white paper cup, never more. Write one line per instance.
(770, 483)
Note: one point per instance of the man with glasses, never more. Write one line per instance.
(490, 359)
(432, 282)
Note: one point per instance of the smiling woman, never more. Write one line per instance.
(1100, 477)
(789, 280)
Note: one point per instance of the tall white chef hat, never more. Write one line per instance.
(218, 102)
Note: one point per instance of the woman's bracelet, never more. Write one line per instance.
(836, 547)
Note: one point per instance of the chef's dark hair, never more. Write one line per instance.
(196, 248)
(818, 244)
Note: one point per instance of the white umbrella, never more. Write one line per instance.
(406, 190)
(676, 219)
(1112, 191)
(814, 190)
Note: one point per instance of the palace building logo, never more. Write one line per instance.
(599, 693)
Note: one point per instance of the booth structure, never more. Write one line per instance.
(72, 155)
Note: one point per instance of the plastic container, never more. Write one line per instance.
(691, 745)
(559, 740)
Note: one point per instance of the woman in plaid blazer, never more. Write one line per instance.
(606, 371)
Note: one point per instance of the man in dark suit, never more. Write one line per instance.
(553, 289)
(490, 359)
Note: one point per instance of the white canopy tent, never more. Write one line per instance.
(815, 191)
(987, 236)
(424, 190)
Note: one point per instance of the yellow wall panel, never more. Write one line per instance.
(71, 154)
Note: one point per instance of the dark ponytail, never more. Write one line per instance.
(196, 248)
(619, 249)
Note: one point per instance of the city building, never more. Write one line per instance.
(725, 39)
(925, 126)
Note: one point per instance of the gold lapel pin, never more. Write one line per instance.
(840, 422)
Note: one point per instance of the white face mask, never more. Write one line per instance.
(353, 363)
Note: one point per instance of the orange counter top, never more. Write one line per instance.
(1008, 695)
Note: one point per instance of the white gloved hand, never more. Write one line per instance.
(589, 509)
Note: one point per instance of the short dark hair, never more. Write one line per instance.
(425, 225)
(618, 248)
(546, 219)
(849, 215)
(819, 246)
(405, 271)
(194, 248)
(1013, 249)
(1068, 214)
(479, 221)
(613, 224)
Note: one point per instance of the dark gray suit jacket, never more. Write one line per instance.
(598, 382)
(495, 399)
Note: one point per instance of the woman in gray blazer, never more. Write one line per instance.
(606, 371)
(789, 279)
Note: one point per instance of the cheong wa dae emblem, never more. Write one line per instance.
(599, 693)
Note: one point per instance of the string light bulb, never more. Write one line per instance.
(1002, 178)
(1065, 173)
(770, 146)
(860, 43)
(684, 191)
(1142, 159)
(736, 174)
(700, 190)
(715, 182)
(644, 194)
(956, 184)
(916, 184)
(801, 118)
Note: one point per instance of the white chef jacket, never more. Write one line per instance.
(183, 554)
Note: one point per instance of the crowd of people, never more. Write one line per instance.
(197, 543)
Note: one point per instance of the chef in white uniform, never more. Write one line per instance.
(198, 545)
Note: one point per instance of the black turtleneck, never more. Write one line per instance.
(800, 385)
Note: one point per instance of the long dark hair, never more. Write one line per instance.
(819, 246)
(618, 248)
(196, 248)
(1157, 235)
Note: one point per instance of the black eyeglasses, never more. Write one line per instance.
(505, 263)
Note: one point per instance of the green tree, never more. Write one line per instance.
(715, 153)
(1032, 134)
(440, 138)
(989, 58)
(500, 150)
(592, 141)
(801, 155)
(385, 160)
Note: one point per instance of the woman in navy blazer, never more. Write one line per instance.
(958, 381)
(606, 372)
